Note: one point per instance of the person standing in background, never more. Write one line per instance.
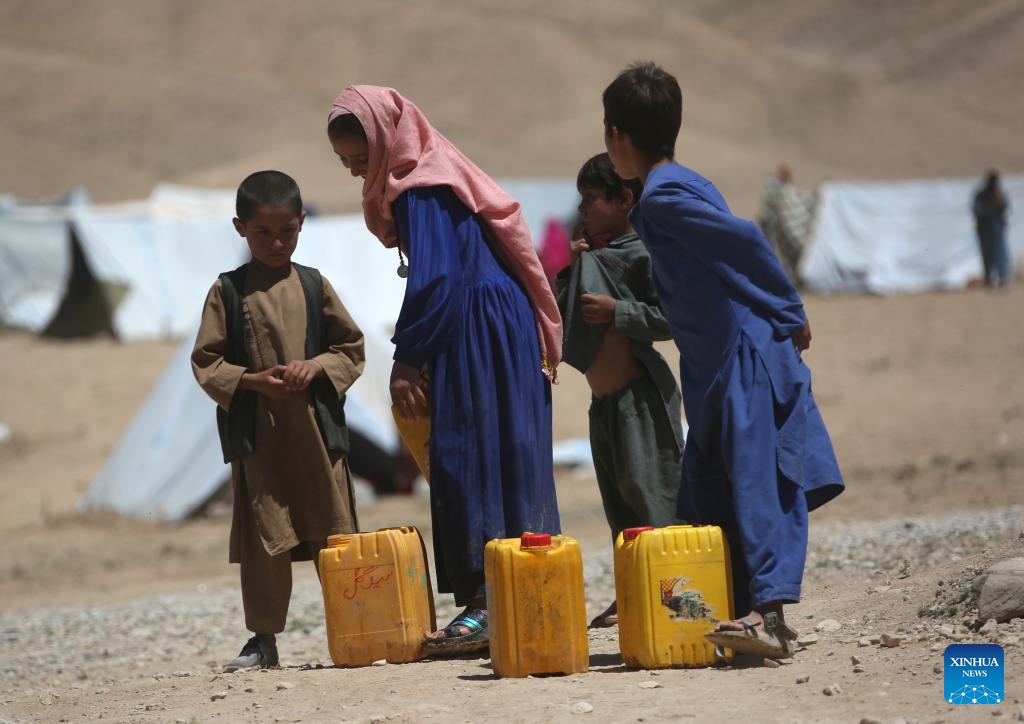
(990, 207)
(785, 219)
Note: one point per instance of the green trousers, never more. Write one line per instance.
(636, 456)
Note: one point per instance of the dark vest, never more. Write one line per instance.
(237, 426)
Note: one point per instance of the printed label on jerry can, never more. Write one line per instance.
(673, 585)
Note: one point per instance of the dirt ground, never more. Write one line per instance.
(128, 620)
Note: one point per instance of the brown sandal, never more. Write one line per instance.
(775, 641)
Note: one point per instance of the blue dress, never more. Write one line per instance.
(757, 456)
(468, 323)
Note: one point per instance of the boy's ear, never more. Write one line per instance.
(625, 140)
(239, 226)
(628, 198)
(302, 219)
(617, 138)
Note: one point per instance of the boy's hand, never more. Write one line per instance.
(299, 373)
(597, 308)
(802, 338)
(268, 382)
(576, 246)
(409, 391)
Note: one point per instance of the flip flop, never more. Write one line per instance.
(454, 642)
(775, 641)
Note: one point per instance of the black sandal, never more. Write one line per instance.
(476, 638)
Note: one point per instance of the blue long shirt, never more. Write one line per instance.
(722, 289)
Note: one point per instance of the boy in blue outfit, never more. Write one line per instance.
(758, 456)
(610, 320)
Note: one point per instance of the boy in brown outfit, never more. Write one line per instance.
(277, 351)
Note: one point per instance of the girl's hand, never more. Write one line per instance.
(597, 308)
(802, 338)
(409, 391)
(299, 373)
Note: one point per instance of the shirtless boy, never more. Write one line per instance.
(611, 318)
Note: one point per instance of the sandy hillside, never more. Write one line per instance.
(118, 95)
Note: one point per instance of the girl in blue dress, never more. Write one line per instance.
(476, 342)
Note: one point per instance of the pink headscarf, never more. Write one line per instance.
(406, 152)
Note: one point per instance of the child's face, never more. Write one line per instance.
(353, 152)
(272, 235)
(621, 152)
(604, 216)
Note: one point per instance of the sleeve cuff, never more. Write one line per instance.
(408, 357)
(224, 384)
(624, 316)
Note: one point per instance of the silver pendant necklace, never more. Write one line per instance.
(403, 268)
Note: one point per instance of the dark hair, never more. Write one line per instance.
(346, 125)
(645, 103)
(266, 189)
(599, 173)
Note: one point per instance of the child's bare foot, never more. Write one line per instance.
(465, 634)
(755, 618)
(607, 618)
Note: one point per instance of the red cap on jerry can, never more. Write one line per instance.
(631, 533)
(533, 540)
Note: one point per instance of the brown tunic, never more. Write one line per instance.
(291, 489)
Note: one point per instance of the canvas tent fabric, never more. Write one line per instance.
(161, 263)
(141, 270)
(35, 258)
(135, 269)
(71, 269)
(543, 200)
(168, 463)
(905, 236)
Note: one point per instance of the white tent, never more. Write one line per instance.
(164, 256)
(542, 200)
(135, 264)
(136, 269)
(169, 463)
(900, 236)
(35, 259)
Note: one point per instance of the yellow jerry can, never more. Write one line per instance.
(378, 600)
(537, 613)
(415, 433)
(672, 585)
